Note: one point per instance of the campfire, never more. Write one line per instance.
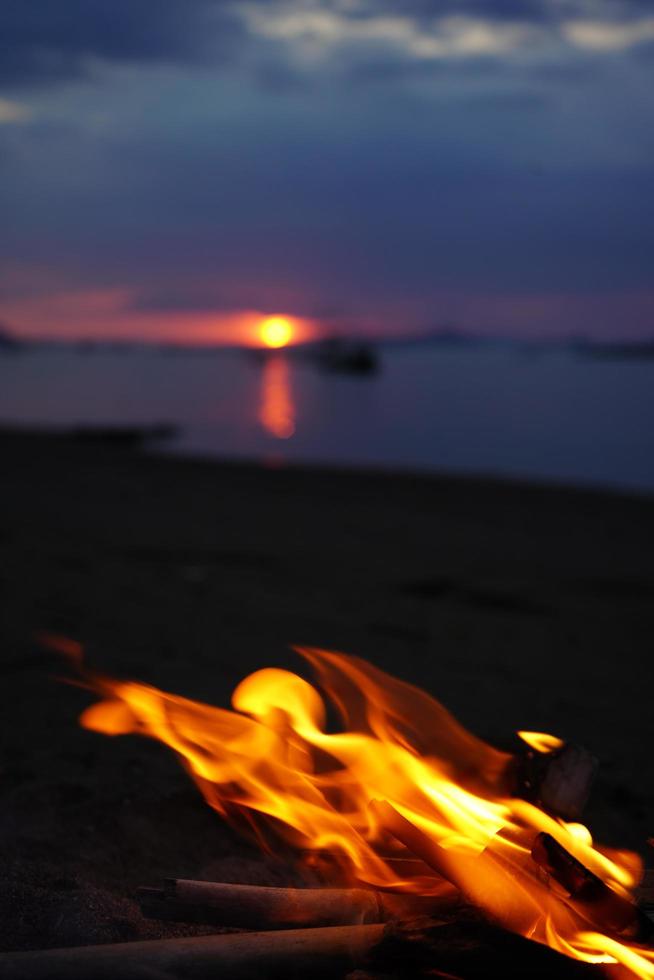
(420, 830)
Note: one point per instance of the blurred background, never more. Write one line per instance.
(439, 215)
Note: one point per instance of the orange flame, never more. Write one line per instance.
(400, 769)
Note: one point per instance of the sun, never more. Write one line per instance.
(276, 331)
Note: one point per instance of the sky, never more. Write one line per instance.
(177, 169)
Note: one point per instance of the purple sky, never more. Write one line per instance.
(179, 168)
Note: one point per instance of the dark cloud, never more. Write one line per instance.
(42, 41)
(49, 40)
(536, 12)
(298, 211)
(355, 180)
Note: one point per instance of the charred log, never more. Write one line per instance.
(558, 781)
(589, 895)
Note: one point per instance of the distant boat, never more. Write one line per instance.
(347, 357)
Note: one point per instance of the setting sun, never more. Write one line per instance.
(276, 331)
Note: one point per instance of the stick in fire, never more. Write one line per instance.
(589, 895)
(259, 907)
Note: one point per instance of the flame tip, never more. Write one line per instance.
(541, 741)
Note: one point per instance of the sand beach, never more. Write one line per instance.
(517, 605)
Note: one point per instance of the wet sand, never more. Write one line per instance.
(518, 606)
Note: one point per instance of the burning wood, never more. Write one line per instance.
(477, 875)
(446, 796)
(331, 869)
(256, 907)
(586, 893)
(589, 895)
(555, 775)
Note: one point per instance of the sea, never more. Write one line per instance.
(547, 413)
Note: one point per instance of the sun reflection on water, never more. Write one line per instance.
(277, 408)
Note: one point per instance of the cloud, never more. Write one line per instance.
(601, 36)
(14, 112)
(364, 155)
(317, 29)
(44, 41)
(422, 31)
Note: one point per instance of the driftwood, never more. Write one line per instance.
(459, 944)
(589, 896)
(256, 907)
(300, 953)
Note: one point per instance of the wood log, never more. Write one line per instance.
(589, 896)
(333, 870)
(458, 944)
(558, 781)
(257, 907)
(483, 879)
(301, 953)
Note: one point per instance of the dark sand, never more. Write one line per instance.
(517, 606)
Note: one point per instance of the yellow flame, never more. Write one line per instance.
(540, 741)
(272, 758)
(639, 962)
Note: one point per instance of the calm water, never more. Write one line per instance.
(492, 410)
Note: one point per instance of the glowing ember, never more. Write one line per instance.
(400, 774)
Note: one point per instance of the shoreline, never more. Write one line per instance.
(100, 438)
